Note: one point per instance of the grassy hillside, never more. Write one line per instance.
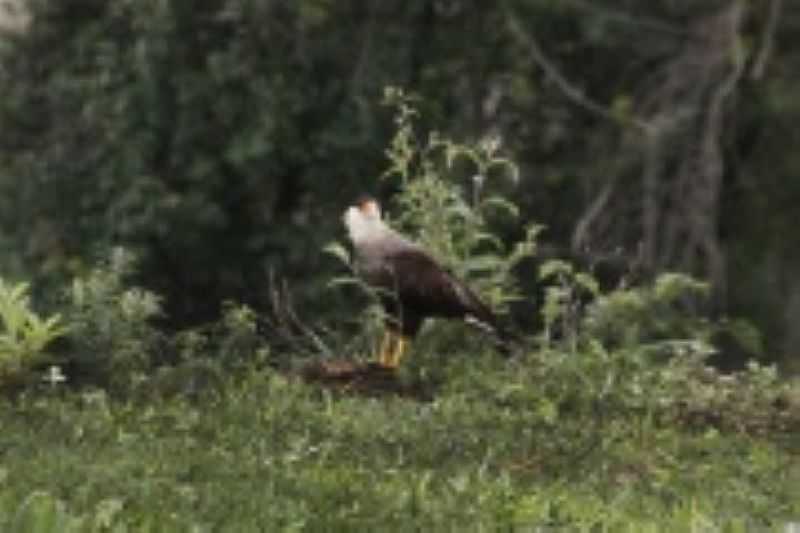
(488, 451)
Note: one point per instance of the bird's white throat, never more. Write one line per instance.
(361, 226)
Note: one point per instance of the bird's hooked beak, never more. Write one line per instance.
(366, 209)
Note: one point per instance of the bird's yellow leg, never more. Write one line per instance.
(397, 352)
(385, 353)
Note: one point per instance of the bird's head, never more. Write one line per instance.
(363, 218)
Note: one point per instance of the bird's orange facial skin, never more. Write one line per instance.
(369, 207)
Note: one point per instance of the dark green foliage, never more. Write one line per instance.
(179, 131)
(661, 312)
(220, 141)
(113, 340)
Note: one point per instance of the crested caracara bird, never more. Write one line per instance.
(411, 284)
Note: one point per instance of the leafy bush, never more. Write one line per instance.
(204, 356)
(113, 339)
(24, 335)
(233, 340)
(446, 201)
(563, 307)
(651, 314)
(643, 352)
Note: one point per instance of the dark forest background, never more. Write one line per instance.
(221, 140)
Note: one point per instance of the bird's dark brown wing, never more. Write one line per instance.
(424, 288)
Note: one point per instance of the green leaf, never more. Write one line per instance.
(554, 267)
(501, 204)
(672, 285)
(482, 263)
(338, 251)
(588, 282)
(746, 335)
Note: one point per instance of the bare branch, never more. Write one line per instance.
(712, 158)
(628, 19)
(287, 324)
(309, 333)
(364, 55)
(652, 170)
(580, 236)
(767, 41)
(570, 90)
(672, 210)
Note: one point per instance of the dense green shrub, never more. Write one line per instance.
(452, 197)
(203, 356)
(449, 199)
(200, 137)
(116, 340)
(113, 338)
(661, 311)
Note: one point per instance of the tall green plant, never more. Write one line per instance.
(447, 201)
(24, 335)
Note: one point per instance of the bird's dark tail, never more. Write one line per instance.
(484, 318)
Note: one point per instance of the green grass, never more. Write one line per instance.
(267, 452)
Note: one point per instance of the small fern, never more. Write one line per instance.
(24, 334)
